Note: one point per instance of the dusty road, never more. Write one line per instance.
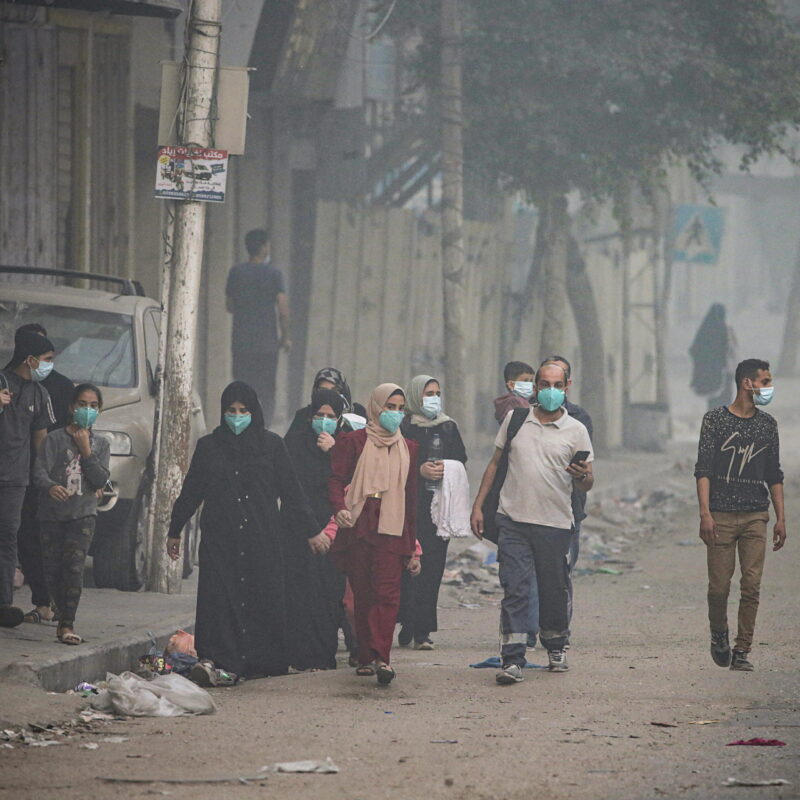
(443, 730)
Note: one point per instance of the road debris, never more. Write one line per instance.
(769, 782)
(757, 743)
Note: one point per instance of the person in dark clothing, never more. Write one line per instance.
(738, 472)
(377, 526)
(255, 292)
(72, 464)
(711, 352)
(316, 587)
(25, 415)
(240, 472)
(326, 378)
(424, 419)
(29, 545)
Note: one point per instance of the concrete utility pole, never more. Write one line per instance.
(195, 129)
(452, 209)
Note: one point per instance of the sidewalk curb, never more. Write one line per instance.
(91, 663)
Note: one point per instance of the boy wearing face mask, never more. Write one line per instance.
(25, 414)
(71, 466)
(738, 472)
(518, 377)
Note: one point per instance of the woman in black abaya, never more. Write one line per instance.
(240, 472)
(315, 587)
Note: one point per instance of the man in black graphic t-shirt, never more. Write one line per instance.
(738, 471)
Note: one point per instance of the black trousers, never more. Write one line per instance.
(420, 595)
(258, 369)
(29, 550)
(11, 498)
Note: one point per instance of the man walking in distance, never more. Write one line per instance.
(738, 470)
(549, 455)
(254, 293)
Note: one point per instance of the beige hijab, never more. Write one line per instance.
(382, 467)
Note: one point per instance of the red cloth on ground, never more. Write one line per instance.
(758, 742)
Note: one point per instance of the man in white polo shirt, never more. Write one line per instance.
(535, 520)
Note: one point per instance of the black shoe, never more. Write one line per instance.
(204, 674)
(720, 649)
(11, 616)
(739, 661)
(405, 636)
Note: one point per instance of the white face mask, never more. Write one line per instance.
(523, 389)
(763, 396)
(432, 406)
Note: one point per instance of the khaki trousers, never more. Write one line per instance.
(747, 533)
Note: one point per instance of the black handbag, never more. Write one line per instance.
(492, 500)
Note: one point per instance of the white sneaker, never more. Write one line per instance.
(557, 661)
(509, 675)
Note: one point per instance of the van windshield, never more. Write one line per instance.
(92, 346)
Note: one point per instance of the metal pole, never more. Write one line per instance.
(200, 63)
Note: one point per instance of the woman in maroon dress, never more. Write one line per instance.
(377, 523)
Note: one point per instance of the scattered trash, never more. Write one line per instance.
(115, 739)
(42, 742)
(703, 722)
(770, 782)
(757, 743)
(608, 571)
(86, 689)
(165, 696)
(325, 767)
(444, 741)
(89, 746)
(388, 712)
(664, 724)
(493, 662)
(90, 715)
(181, 642)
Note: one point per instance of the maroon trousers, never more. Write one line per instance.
(375, 576)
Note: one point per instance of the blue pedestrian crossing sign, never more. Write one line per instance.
(697, 234)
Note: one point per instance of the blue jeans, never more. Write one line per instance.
(533, 607)
(525, 550)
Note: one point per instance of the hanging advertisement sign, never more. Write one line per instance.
(191, 173)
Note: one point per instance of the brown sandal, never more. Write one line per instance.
(365, 671)
(35, 616)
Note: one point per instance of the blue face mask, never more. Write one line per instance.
(523, 389)
(238, 422)
(42, 371)
(551, 399)
(390, 420)
(763, 397)
(85, 417)
(432, 406)
(324, 425)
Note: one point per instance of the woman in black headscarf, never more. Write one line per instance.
(240, 472)
(709, 351)
(327, 378)
(315, 586)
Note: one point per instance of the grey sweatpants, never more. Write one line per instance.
(523, 550)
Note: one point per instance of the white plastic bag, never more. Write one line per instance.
(164, 696)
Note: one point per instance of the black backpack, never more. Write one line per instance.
(492, 501)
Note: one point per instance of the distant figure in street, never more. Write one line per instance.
(240, 472)
(71, 465)
(60, 388)
(738, 471)
(549, 455)
(377, 526)
(256, 297)
(713, 352)
(518, 377)
(25, 415)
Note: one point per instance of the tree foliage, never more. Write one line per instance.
(598, 95)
